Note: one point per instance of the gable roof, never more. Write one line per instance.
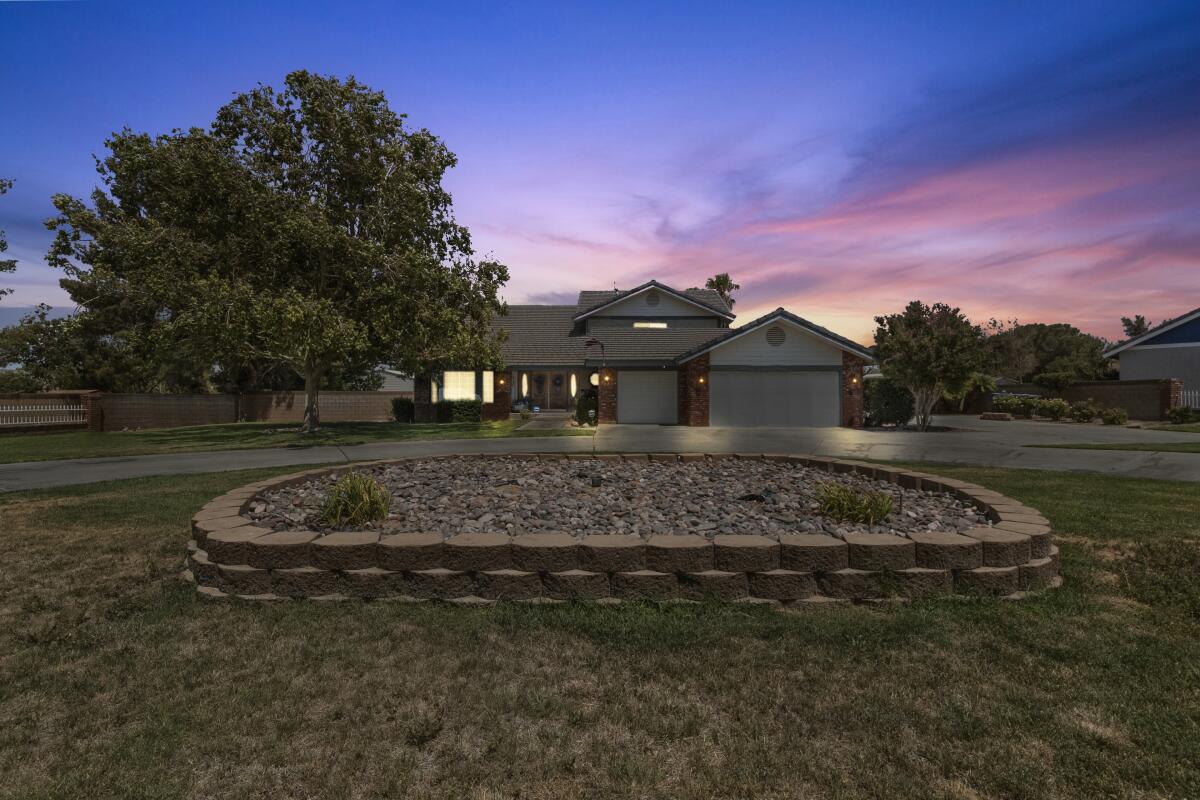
(1150, 334)
(590, 301)
(840, 342)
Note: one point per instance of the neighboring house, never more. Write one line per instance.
(658, 355)
(394, 381)
(1170, 350)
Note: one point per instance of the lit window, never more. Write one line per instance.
(574, 385)
(658, 325)
(459, 386)
(594, 379)
(489, 387)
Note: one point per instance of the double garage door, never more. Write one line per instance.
(770, 398)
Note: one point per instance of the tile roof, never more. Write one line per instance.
(591, 300)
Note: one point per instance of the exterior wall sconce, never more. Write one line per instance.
(502, 381)
(701, 380)
(607, 377)
(854, 379)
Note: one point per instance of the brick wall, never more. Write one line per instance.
(115, 412)
(501, 405)
(852, 390)
(693, 392)
(1144, 399)
(607, 400)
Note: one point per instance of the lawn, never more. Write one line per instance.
(1153, 447)
(247, 435)
(116, 681)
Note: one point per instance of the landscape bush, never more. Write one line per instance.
(356, 499)
(845, 503)
(588, 401)
(1115, 416)
(1085, 411)
(403, 409)
(1015, 404)
(1052, 408)
(887, 403)
(458, 411)
(1182, 415)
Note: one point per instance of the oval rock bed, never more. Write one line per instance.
(552, 528)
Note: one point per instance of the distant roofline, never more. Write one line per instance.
(1155, 331)
(728, 315)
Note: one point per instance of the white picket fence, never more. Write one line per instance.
(1191, 397)
(35, 412)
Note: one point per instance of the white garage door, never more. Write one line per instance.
(774, 399)
(647, 397)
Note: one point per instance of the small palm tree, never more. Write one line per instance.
(723, 285)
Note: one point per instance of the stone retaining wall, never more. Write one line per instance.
(229, 556)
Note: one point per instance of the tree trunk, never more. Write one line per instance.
(312, 401)
(925, 399)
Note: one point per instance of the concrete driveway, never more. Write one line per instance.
(975, 441)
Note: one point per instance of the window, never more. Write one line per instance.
(489, 387)
(574, 385)
(459, 386)
(658, 325)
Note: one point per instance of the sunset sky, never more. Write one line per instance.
(1031, 160)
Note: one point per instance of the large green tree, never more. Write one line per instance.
(6, 264)
(928, 349)
(1050, 354)
(307, 227)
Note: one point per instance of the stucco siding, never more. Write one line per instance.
(1182, 363)
(799, 348)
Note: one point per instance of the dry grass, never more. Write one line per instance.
(116, 682)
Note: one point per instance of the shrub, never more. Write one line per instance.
(1182, 415)
(526, 413)
(1018, 405)
(356, 499)
(1084, 411)
(458, 411)
(1052, 408)
(587, 402)
(1115, 416)
(842, 502)
(403, 409)
(887, 403)
(1055, 381)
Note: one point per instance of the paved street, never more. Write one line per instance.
(976, 441)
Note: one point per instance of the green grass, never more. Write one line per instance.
(1153, 447)
(1187, 428)
(247, 435)
(115, 681)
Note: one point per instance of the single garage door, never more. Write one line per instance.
(774, 398)
(647, 397)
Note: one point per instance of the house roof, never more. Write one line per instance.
(730, 334)
(539, 336)
(592, 301)
(1150, 334)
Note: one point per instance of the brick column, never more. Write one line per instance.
(93, 411)
(501, 405)
(423, 398)
(852, 390)
(607, 399)
(693, 392)
(1172, 396)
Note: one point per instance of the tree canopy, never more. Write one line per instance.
(1135, 326)
(1051, 354)
(723, 285)
(928, 349)
(6, 264)
(306, 227)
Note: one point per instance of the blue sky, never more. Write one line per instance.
(1022, 159)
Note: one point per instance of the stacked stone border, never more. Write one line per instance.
(230, 556)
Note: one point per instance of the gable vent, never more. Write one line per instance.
(775, 336)
(652, 299)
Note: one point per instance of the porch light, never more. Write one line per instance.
(607, 378)
(854, 379)
(701, 379)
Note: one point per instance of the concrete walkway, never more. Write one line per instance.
(977, 442)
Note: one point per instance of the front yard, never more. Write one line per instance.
(247, 435)
(116, 681)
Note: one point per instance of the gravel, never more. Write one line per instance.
(638, 498)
